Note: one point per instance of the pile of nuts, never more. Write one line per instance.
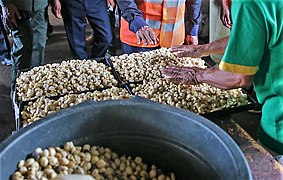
(45, 106)
(67, 77)
(99, 162)
(146, 65)
(200, 99)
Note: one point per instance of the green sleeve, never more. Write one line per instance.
(247, 39)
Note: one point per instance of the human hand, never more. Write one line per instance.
(110, 3)
(192, 40)
(225, 16)
(194, 51)
(184, 75)
(56, 8)
(10, 13)
(146, 35)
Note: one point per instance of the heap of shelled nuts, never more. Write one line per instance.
(67, 77)
(200, 99)
(99, 162)
(45, 106)
(146, 65)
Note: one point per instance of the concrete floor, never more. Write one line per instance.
(57, 49)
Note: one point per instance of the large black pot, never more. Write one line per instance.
(171, 138)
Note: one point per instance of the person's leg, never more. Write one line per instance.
(22, 48)
(4, 46)
(73, 13)
(96, 12)
(39, 24)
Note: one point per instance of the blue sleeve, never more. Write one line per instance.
(131, 14)
(194, 16)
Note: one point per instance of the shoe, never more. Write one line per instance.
(7, 62)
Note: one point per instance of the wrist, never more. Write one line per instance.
(200, 76)
(205, 49)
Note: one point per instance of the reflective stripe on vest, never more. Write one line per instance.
(165, 17)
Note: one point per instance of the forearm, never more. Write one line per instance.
(224, 80)
(216, 47)
(129, 10)
(225, 3)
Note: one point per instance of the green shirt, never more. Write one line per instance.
(255, 48)
(28, 5)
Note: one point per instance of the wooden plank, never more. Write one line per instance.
(261, 162)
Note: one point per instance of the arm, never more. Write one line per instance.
(225, 13)
(131, 14)
(212, 76)
(224, 79)
(56, 8)
(196, 51)
(194, 18)
(10, 13)
(137, 24)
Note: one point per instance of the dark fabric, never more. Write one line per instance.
(128, 49)
(269, 142)
(137, 23)
(193, 16)
(29, 42)
(4, 43)
(74, 14)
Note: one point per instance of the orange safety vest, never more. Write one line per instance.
(165, 17)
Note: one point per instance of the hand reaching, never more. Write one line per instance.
(146, 35)
(184, 75)
(194, 51)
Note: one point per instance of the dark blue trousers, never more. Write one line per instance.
(75, 13)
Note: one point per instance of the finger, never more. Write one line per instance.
(143, 38)
(168, 72)
(183, 54)
(175, 48)
(174, 79)
(148, 37)
(138, 37)
(153, 36)
(58, 13)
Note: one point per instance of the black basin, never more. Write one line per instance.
(172, 138)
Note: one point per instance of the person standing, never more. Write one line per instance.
(248, 59)
(28, 24)
(75, 14)
(147, 25)
(5, 48)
